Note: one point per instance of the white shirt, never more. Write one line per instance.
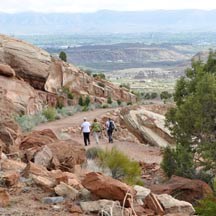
(85, 127)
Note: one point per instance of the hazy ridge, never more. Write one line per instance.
(108, 22)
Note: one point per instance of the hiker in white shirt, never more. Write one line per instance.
(85, 129)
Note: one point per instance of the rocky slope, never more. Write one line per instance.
(32, 77)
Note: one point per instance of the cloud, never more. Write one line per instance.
(94, 5)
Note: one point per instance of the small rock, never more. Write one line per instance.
(60, 176)
(174, 206)
(56, 207)
(26, 189)
(52, 200)
(65, 190)
(45, 183)
(142, 192)
(152, 203)
(101, 206)
(4, 197)
(85, 194)
(75, 209)
(10, 178)
(43, 157)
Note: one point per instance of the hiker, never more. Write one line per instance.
(110, 127)
(85, 129)
(96, 129)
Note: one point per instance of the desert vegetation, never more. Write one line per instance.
(63, 56)
(192, 123)
(120, 165)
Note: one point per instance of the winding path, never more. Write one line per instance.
(136, 151)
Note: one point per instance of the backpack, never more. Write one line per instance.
(111, 126)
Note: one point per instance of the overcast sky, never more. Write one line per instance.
(94, 5)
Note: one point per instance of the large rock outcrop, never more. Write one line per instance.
(43, 72)
(31, 63)
(43, 147)
(23, 97)
(147, 126)
(189, 190)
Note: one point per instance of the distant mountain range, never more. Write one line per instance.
(108, 22)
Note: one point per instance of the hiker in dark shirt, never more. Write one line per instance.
(110, 127)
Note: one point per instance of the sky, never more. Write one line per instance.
(12, 6)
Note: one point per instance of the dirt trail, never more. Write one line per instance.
(136, 151)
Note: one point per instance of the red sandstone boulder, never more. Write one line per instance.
(43, 148)
(183, 189)
(69, 153)
(9, 133)
(10, 178)
(106, 187)
(37, 139)
(6, 70)
(4, 197)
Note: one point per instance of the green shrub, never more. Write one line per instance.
(87, 101)
(114, 104)
(94, 106)
(129, 103)
(63, 56)
(60, 103)
(165, 95)
(178, 162)
(153, 95)
(124, 104)
(67, 91)
(80, 102)
(87, 71)
(76, 109)
(66, 111)
(101, 84)
(119, 102)
(85, 108)
(125, 85)
(121, 166)
(27, 123)
(206, 207)
(147, 96)
(93, 153)
(50, 113)
(109, 100)
(104, 106)
(99, 75)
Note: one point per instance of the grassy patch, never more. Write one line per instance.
(122, 168)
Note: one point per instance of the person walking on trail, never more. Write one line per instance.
(96, 129)
(85, 129)
(110, 127)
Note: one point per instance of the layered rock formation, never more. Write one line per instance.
(39, 71)
(147, 126)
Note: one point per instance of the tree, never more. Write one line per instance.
(154, 95)
(193, 120)
(165, 95)
(109, 100)
(80, 102)
(63, 56)
(99, 75)
(87, 101)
